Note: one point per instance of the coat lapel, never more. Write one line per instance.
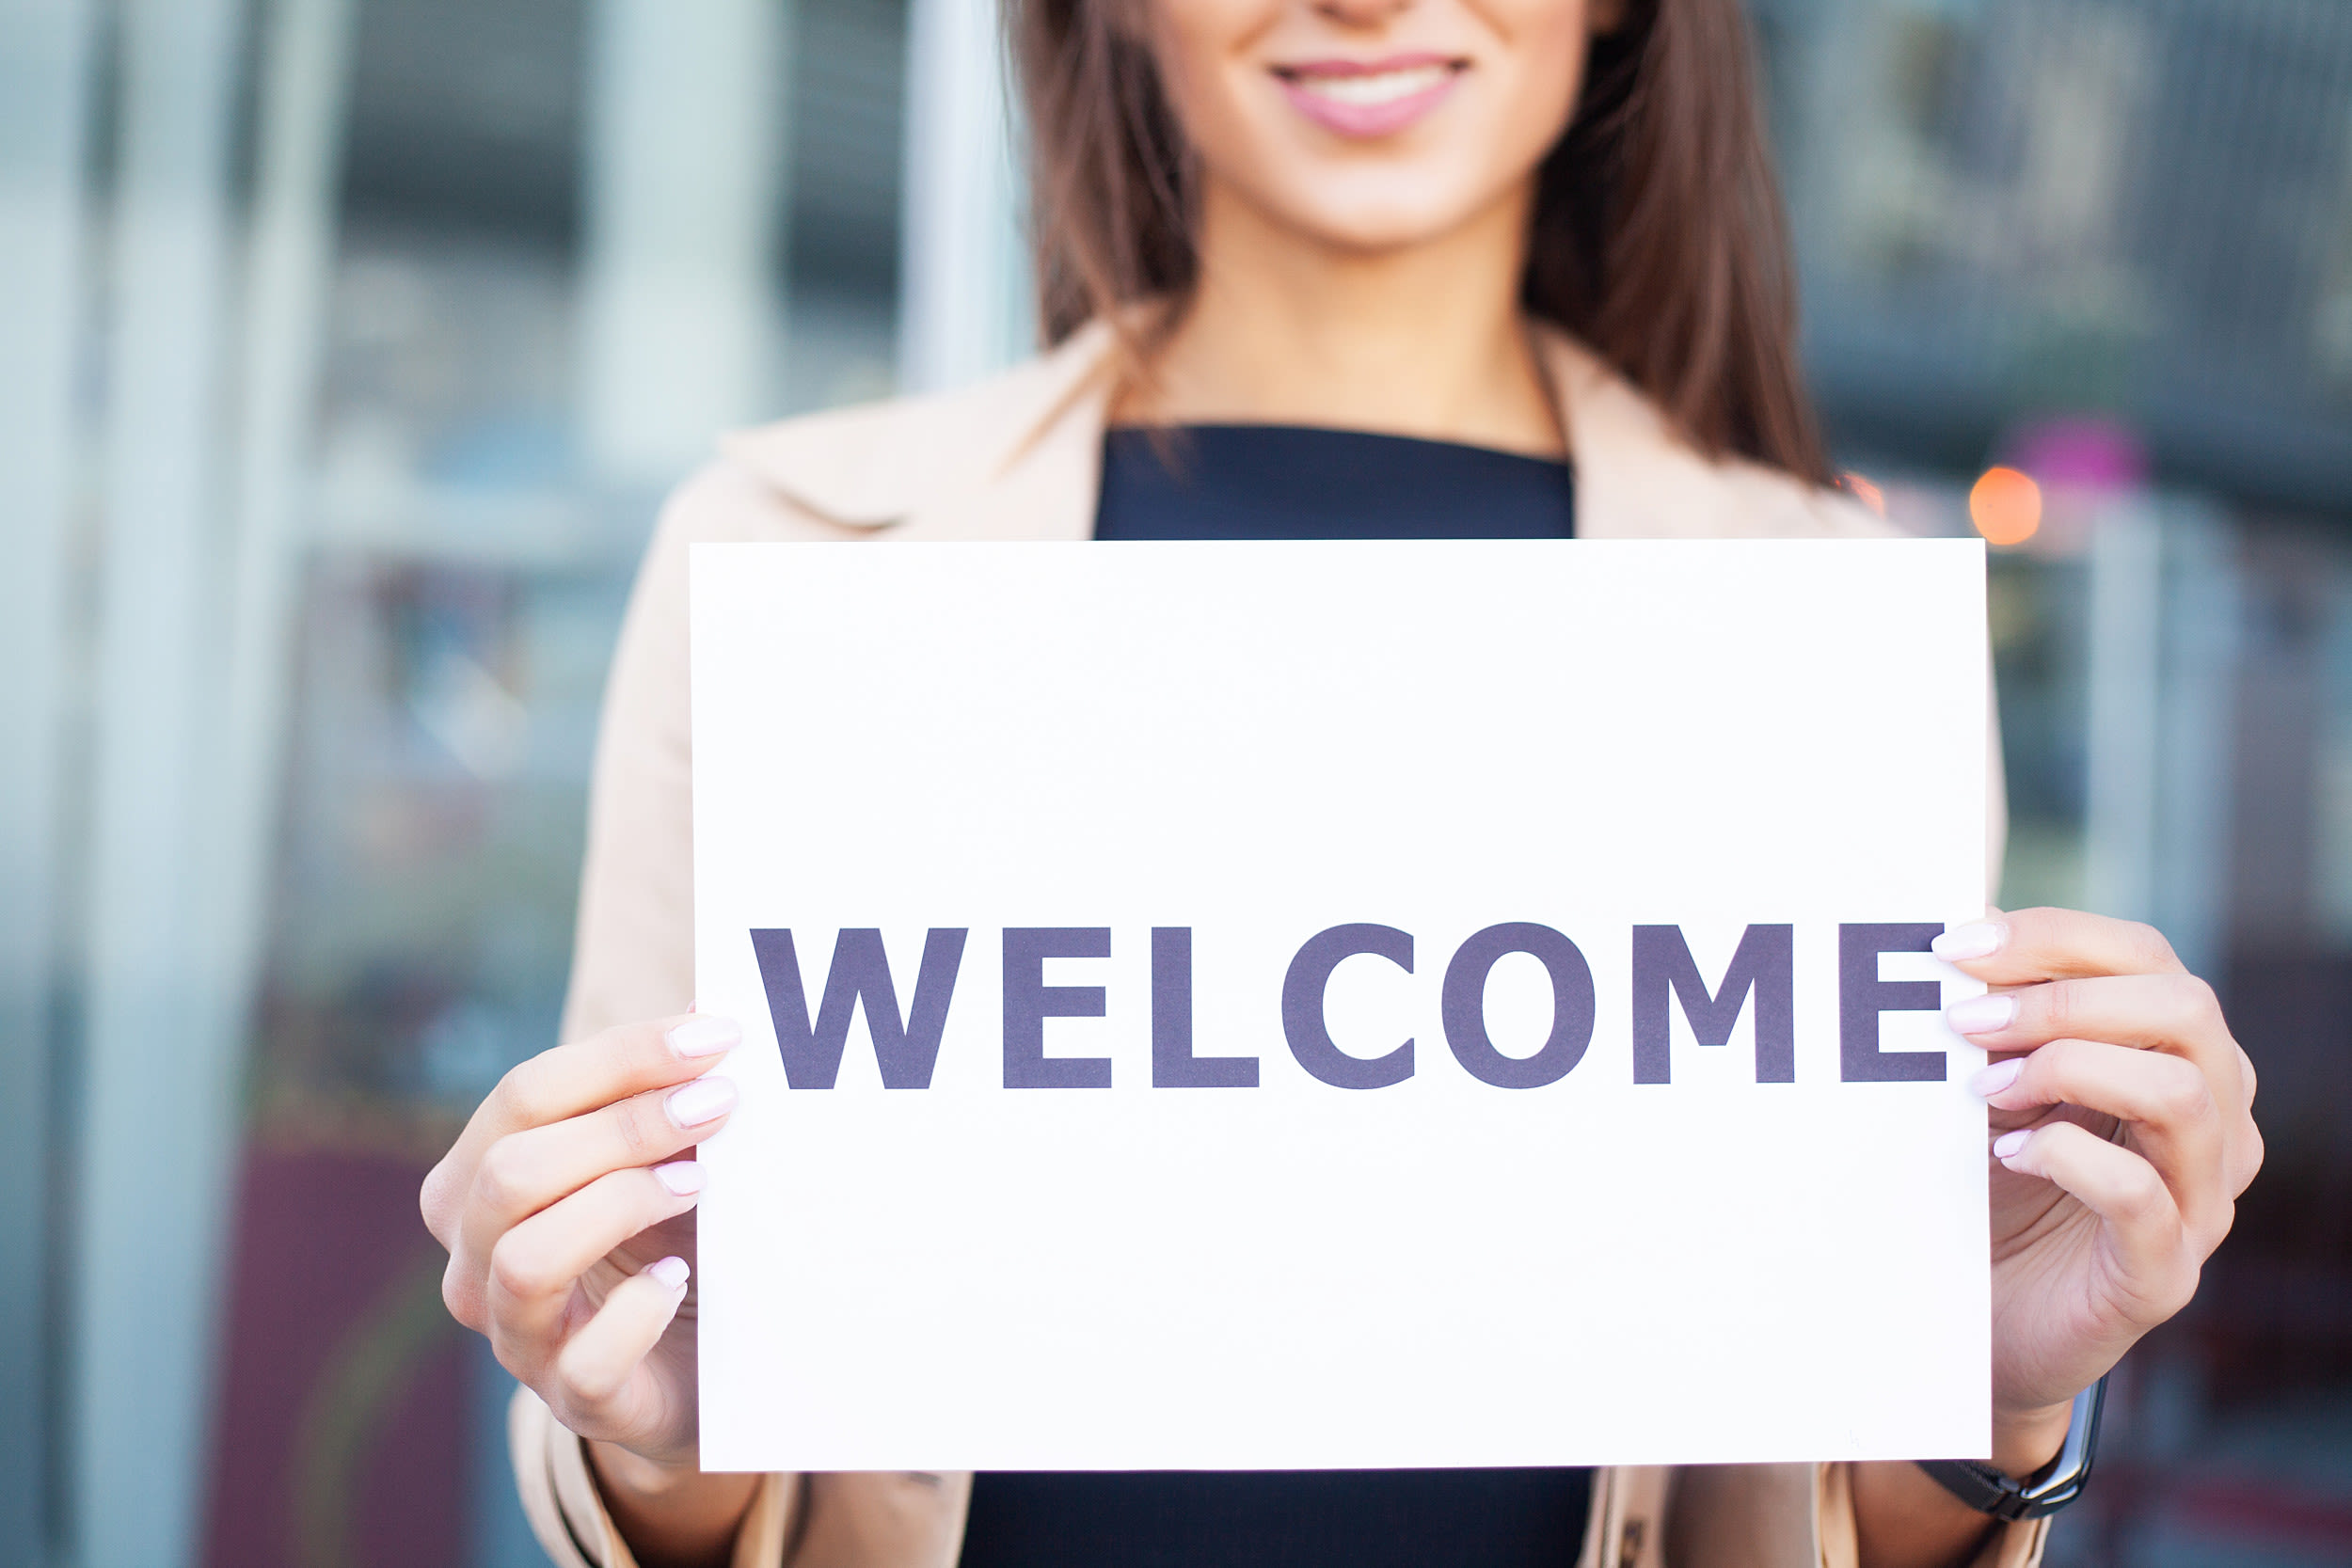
(1638, 478)
(1018, 456)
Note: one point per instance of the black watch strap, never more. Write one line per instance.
(2058, 1483)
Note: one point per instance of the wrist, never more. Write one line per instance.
(2025, 1442)
(626, 1471)
(670, 1513)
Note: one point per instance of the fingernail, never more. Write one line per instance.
(705, 1036)
(682, 1177)
(1990, 1081)
(1982, 1015)
(1979, 940)
(670, 1273)
(2008, 1144)
(704, 1099)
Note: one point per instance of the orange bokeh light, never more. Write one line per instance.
(2005, 506)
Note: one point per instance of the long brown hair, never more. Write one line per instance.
(1658, 237)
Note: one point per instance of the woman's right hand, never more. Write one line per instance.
(568, 1208)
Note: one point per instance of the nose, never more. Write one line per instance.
(1361, 13)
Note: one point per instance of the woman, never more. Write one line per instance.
(1316, 267)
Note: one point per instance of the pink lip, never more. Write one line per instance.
(1364, 119)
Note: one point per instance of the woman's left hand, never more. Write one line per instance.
(2123, 1135)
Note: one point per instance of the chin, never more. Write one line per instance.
(1365, 199)
(1393, 219)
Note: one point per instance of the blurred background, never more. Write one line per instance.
(346, 348)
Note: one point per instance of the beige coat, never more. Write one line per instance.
(1018, 457)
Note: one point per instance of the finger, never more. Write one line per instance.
(537, 1267)
(567, 1080)
(523, 1173)
(2021, 947)
(2166, 1102)
(594, 1367)
(2175, 1011)
(2244, 1157)
(2158, 1270)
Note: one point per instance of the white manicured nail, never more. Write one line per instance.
(670, 1273)
(1990, 1081)
(2009, 1144)
(1978, 940)
(684, 1178)
(704, 1099)
(1982, 1015)
(705, 1037)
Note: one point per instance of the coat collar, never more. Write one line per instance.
(958, 464)
(1018, 456)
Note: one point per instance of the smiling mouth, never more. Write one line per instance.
(1369, 99)
(1368, 88)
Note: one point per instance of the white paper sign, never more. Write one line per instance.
(1156, 857)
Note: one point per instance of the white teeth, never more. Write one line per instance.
(1385, 87)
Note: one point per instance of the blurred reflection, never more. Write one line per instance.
(349, 343)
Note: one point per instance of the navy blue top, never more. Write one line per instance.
(1273, 481)
(1279, 1519)
(1282, 482)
